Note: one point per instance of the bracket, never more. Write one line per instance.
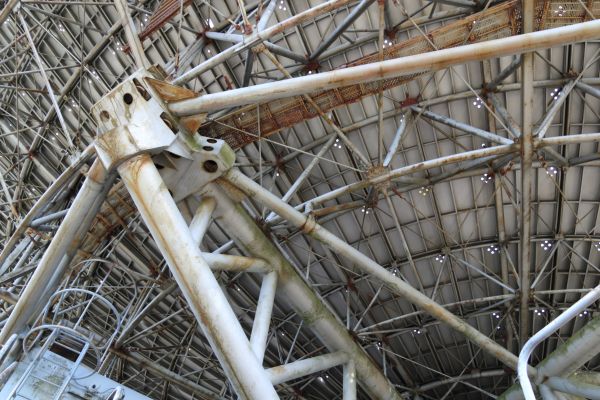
(133, 119)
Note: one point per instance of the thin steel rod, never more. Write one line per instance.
(135, 321)
(485, 274)
(262, 318)
(41, 66)
(168, 375)
(305, 173)
(298, 369)
(43, 201)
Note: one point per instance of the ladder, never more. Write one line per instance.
(33, 375)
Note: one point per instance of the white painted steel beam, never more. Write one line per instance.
(309, 226)
(431, 61)
(196, 281)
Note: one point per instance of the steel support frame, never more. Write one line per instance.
(179, 244)
(55, 261)
(315, 313)
(350, 18)
(258, 38)
(196, 281)
(566, 358)
(526, 149)
(425, 62)
(309, 226)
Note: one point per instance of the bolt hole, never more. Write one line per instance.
(211, 140)
(210, 166)
(104, 115)
(141, 90)
(207, 148)
(128, 98)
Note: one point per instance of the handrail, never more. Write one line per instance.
(546, 331)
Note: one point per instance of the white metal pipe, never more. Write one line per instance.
(394, 283)
(53, 189)
(546, 331)
(259, 37)
(202, 219)
(224, 37)
(410, 169)
(262, 317)
(554, 108)
(135, 46)
(282, 51)
(576, 388)
(349, 381)
(546, 393)
(592, 91)
(80, 214)
(430, 61)
(316, 314)
(196, 281)
(492, 137)
(48, 218)
(397, 139)
(298, 369)
(226, 262)
(266, 16)
(569, 139)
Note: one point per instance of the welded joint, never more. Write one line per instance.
(309, 225)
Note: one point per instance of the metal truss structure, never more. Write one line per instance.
(340, 199)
